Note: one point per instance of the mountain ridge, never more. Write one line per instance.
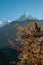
(26, 16)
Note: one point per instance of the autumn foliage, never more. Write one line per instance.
(29, 40)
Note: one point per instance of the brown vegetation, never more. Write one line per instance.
(30, 40)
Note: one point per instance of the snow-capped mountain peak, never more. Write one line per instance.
(26, 13)
(0, 23)
(4, 22)
(26, 16)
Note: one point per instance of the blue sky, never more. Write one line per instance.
(13, 9)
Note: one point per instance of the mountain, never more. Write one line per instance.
(26, 16)
(10, 29)
(4, 22)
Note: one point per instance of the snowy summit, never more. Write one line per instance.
(26, 13)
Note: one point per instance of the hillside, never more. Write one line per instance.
(10, 29)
